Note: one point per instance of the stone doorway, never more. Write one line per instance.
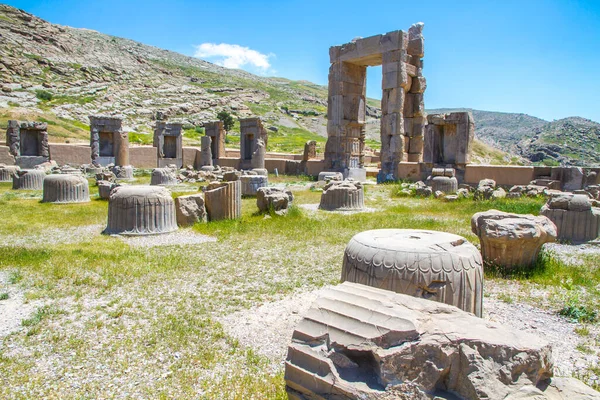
(170, 147)
(30, 143)
(248, 147)
(107, 144)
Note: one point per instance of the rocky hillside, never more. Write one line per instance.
(61, 75)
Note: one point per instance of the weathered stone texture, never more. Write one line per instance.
(343, 196)
(140, 210)
(276, 199)
(108, 141)
(190, 209)
(168, 140)
(28, 143)
(104, 189)
(360, 342)
(216, 132)
(310, 150)
(164, 177)
(253, 143)
(251, 184)
(575, 218)
(206, 157)
(29, 179)
(444, 184)
(433, 265)
(7, 172)
(449, 139)
(512, 240)
(67, 188)
(223, 200)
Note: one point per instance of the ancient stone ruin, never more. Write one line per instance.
(205, 158)
(443, 180)
(29, 179)
(432, 265)
(257, 164)
(403, 112)
(190, 209)
(65, 188)
(251, 184)
(273, 199)
(216, 132)
(575, 218)
(7, 172)
(448, 140)
(310, 150)
(110, 144)
(28, 143)
(164, 176)
(140, 210)
(342, 196)
(253, 141)
(168, 140)
(511, 240)
(223, 200)
(359, 342)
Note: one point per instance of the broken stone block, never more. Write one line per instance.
(123, 172)
(433, 265)
(343, 196)
(360, 342)
(231, 176)
(140, 210)
(329, 175)
(29, 179)
(251, 184)
(104, 189)
(498, 194)
(443, 184)
(512, 240)
(276, 199)
(65, 189)
(190, 209)
(485, 189)
(575, 218)
(7, 172)
(164, 177)
(223, 200)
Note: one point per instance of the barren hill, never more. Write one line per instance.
(60, 75)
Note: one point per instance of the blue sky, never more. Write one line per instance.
(539, 57)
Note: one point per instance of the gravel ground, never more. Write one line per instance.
(177, 238)
(53, 236)
(14, 309)
(571, 253)
(268, 328)
(315, 208)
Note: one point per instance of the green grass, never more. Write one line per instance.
(141, 138)
(292, 140)
(151, 315)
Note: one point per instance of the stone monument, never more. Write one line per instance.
(28, 143)
(252, 136)
(110, 144)
(29, 179)
(223, 200)
(342, 196)
(140, 210)
(403, 112)
(216, 132)
(575, 218)
(65, 188)
(432, 265)
(168, 141)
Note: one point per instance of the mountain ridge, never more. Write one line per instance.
(65, 74)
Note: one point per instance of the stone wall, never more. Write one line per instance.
(5, 156)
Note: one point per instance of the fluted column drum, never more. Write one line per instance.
(342, 196)
(140, 210)
(575, 218)
(7, 172)
(65, 189)
(251, 184)
(163, 176)
(29, 179)
(438, 266)
(223, 200)
(444, 184)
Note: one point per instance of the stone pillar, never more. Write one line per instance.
(310, 150)
(122, 149)
(95, 145)
(216, 132)
(206, 158)
(223, 200)
(13, 138)
(251, 131)
(258, 156)
(346, 114)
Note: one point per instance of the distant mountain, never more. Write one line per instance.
(60, 75)
(568, 141)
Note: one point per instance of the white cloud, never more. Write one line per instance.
(234, 56)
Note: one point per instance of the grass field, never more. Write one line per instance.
(117, 321)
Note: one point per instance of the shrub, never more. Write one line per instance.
(227, 119)
(43, 95)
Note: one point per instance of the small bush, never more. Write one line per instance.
(579, 313)
(3, 296)
(43, 95)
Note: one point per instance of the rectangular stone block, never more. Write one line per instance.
(394, 79)
(335, 109)
(419, 84)
(354, 108)
(411, 70)
(392, 101)
(394, 56)
(416, 145)
(369, 46)
(392, 124)
(347, 72)
(414, 157)
(414, 105)
(394, 40)
(416, 46)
